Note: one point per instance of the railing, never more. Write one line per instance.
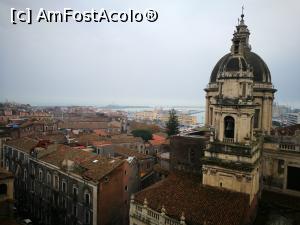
(289, 147)
(149, 216)
(171, 222)
(228, 140)
(153, 214)
(139, 208)
(235, 148)
(262, 85)
(213, 85)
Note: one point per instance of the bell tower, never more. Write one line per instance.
(238, 108)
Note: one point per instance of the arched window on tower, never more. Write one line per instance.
(229, 127)
(256, 118)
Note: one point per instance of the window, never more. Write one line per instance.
(64, 186)
(280, 168)
(75, 191)
(256, 118)
(64, 202)
(12, 166)
(32, 169)
(25, 174)
(32, 185)
(40, 175)
(87, 217)
(48, 178)
(75, 210)
(7, 165)
(3, 189)
(56, 182)
(244, 90)
(87, 198)
(229, 127)
(126, 188)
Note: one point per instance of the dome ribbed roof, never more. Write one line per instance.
(234, 63)
(261, 71)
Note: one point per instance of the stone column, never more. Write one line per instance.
(207, 111)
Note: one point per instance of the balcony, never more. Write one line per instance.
(229, 147)
(289, 147)
(241, 166)
(228, 140)
(150, 216)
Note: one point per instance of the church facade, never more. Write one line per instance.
(239, 101)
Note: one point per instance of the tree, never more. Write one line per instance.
(172, 124)
(143, 133)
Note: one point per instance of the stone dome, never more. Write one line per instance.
(229, 62)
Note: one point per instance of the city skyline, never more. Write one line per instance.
(167, 62)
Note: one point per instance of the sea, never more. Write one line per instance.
(198, 111)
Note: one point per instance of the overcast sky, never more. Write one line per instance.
(167, 62)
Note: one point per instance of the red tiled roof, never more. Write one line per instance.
(200, 204)
(287, 131)
(60, 152)
(158, 137)
(88, 165)
(24, 144)
(124, 138)
(128, 152)
(99, 169)
(157, 140)
(86, 139)
(100, 143)
(100, 132)
(84, 125)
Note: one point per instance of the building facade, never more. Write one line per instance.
(281, 162)
(6, 194)
(57, 184)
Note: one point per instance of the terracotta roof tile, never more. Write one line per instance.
(128, 152)
(100, 132)
(185, 193)
(84, 125)
(100, 143)
(287, 131)
(24, 144)
(87, 164)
